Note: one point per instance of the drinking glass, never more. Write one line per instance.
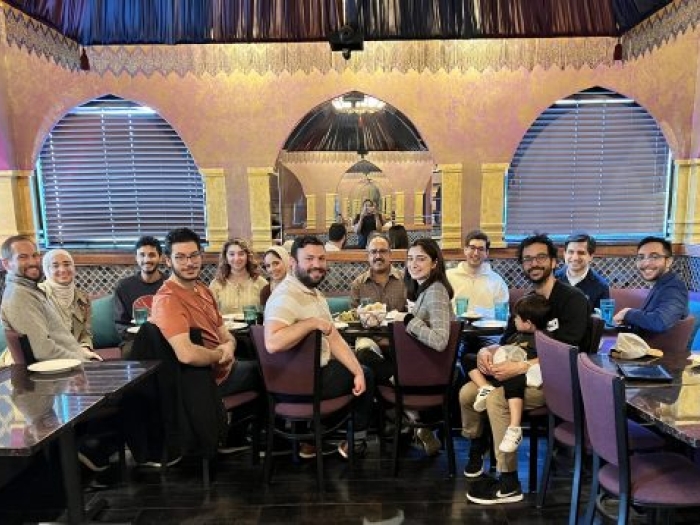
(461, 305)
(140, 315)
(607, 310)
(500, 311)
(250, 313)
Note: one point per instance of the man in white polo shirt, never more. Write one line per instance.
(295, 309)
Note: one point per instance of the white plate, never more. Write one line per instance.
(133, 329)
(54, 366)
(489, 323)
(232, 325)
(340, 325)
(471, 316)
(233, 317)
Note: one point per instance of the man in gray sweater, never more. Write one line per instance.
(25, 308)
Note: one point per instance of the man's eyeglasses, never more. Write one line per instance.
(181, 258)
(480, 249)
(653, 257)
(541, 258)
(382, 251)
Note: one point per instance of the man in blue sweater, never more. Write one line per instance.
(667, 302)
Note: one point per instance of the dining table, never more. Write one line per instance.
(672, 406)
(37, 409)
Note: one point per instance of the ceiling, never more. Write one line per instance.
(116, 22)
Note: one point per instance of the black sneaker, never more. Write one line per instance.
(494, 492)
(475, 466)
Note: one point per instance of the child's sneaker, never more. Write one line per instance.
(512, 439)
(481, 395)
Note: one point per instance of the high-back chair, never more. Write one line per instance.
(20, 349)
(293, 383)
(189, 401)
(597, 327)
(563, 397)
(675, 340)
(422, 381)
(662, 480)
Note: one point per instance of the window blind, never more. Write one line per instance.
(111, 171)
(594, 162)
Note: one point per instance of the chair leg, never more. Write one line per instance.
(319, 455)
(206, 475)
(576, 484)
(398, 420)
(351, 441)
(624, 509)
(534, 437)
(590, 509)
(267, 469)
(447, 440)
(544, 481)
(255, 432)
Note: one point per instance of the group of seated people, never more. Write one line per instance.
(55, 317)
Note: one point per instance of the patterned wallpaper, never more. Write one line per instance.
(620, 271)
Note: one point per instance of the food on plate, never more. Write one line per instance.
(349, 316)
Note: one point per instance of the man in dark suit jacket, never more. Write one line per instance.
(578, 254)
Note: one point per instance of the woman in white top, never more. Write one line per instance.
(72, 304)
(237, 282)
(276, 264)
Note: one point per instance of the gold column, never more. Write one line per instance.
(493, 202)
(451, 205)
(418, 204)
(330, 208)
(684, 225)
(260, 210)
(310, 212)
(400, 207)
(217, 214)
(16, 195)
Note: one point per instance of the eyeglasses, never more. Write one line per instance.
(182, 258)
(541, 258)
(382, 251)
(653, 257)
(480, 249)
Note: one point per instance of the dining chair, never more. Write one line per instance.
(597, 327)
(675, 340)
(422, 382)
(660, 481)
(20, 349)
(189, 401)
(293, 384)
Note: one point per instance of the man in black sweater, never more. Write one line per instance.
(568, 322)
(578, 254)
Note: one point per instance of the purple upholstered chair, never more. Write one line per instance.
(422, 380)
(660, 480)
(20, 349)
(293, 384)
(673, 341)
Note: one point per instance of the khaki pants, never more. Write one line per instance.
(499, 417)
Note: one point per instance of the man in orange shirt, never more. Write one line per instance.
(184, 302)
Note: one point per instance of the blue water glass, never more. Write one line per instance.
(250, 314)
(500, 311)
(607, 310)
(140, 316)
(461, 305)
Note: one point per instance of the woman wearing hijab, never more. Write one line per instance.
(276, 264)
(72, 304)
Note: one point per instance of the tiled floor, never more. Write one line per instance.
(422, 493)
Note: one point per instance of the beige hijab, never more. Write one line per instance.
(63, 294)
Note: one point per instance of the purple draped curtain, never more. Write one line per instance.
(93, 22)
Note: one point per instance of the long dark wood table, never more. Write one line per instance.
(51, 406)
(673, 407)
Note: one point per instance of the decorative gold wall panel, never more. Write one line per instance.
(217, 212)
(260, 210)
(311, 212)
(16, 197)
(418, 204)
(330, 208)
(684, 225)
(493, 202)
(451, 205)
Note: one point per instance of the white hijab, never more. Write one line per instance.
(63, 294)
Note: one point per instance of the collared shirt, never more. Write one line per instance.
(291, 302)
(392, 294)
(232, 297)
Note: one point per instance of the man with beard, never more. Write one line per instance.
(297, 308)
(25, 308)
(568, 322)
(667, 302)
(143, 284)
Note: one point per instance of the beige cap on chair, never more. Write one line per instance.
(631, 346)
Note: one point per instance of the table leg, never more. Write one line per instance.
(71, 477)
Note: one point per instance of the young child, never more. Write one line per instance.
(531, 313)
